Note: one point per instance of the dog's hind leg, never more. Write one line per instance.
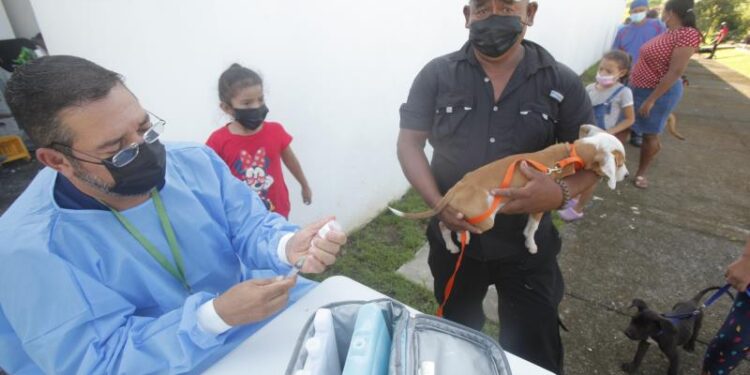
(446, 234)
(531, 226)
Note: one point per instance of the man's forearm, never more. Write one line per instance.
(418, 173)
(416, 168)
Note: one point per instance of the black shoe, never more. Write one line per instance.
(636, 140)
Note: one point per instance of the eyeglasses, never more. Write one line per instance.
(129, 153)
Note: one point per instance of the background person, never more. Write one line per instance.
(656, 79)
(252, 147)
(632, 37)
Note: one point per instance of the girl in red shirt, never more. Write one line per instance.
(252, 147)
(656, 79)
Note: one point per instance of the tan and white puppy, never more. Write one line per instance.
(600, 151)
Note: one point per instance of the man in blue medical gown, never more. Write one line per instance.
(128, 256)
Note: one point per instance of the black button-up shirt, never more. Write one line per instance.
(452, 98)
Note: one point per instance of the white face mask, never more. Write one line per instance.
(605, 80)
(638, 17)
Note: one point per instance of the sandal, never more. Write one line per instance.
(570, 215)
(640, 182)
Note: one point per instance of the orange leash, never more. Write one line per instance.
(572, 159)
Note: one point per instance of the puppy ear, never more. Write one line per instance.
(607, 167)
(588, 130)
(639, 303)
(619, 157)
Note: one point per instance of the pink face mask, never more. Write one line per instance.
(606, 80)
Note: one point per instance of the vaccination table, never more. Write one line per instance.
(268, 350)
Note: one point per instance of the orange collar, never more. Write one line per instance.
(573, 159)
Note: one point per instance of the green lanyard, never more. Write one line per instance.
(166, 225)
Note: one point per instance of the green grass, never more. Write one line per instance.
(735, 59)
(589, 76)
(377, 250)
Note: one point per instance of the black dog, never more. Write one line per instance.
(677, 328)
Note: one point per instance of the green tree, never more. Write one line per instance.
(711, 13)
(654, 3)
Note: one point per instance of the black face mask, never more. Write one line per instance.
(495, 35)
(251, 118)
(142, 174)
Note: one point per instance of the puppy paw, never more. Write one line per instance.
(531, 245)
(629, 367)
(452, 247)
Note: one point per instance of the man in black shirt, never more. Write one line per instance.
(498, 95)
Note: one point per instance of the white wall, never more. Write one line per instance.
(335, 71)
(21, 17)
(577, 32)
(6, 31)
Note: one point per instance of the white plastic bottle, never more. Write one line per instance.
(322, 352)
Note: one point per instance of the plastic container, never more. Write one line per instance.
(12, 147)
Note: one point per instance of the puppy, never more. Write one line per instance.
(600, 151)
(679, 327)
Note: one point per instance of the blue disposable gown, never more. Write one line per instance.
(78, 294)
(632, 37)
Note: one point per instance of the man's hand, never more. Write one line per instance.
(319, 252)
(540, 194)
(253, 300)
(738, 273)
(455, 221)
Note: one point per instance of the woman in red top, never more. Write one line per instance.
(252, 147)
(656, 83)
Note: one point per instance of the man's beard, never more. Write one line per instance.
(97, 183)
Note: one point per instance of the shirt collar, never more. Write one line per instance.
(68, 196)
(535, 58)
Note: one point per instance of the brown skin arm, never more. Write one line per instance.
(416, 168)
(291, 162)
(738, 273)
(541, 193)
(677, 66)
(627, 121)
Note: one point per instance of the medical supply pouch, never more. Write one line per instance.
(421, 344)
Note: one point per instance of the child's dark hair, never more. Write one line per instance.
(623, 60)
(234, 78)
(684, 10)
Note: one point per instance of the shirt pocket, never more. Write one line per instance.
(450, 113)
(536, 129)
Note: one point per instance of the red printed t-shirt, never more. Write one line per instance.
(656, 55)
(256, 159)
